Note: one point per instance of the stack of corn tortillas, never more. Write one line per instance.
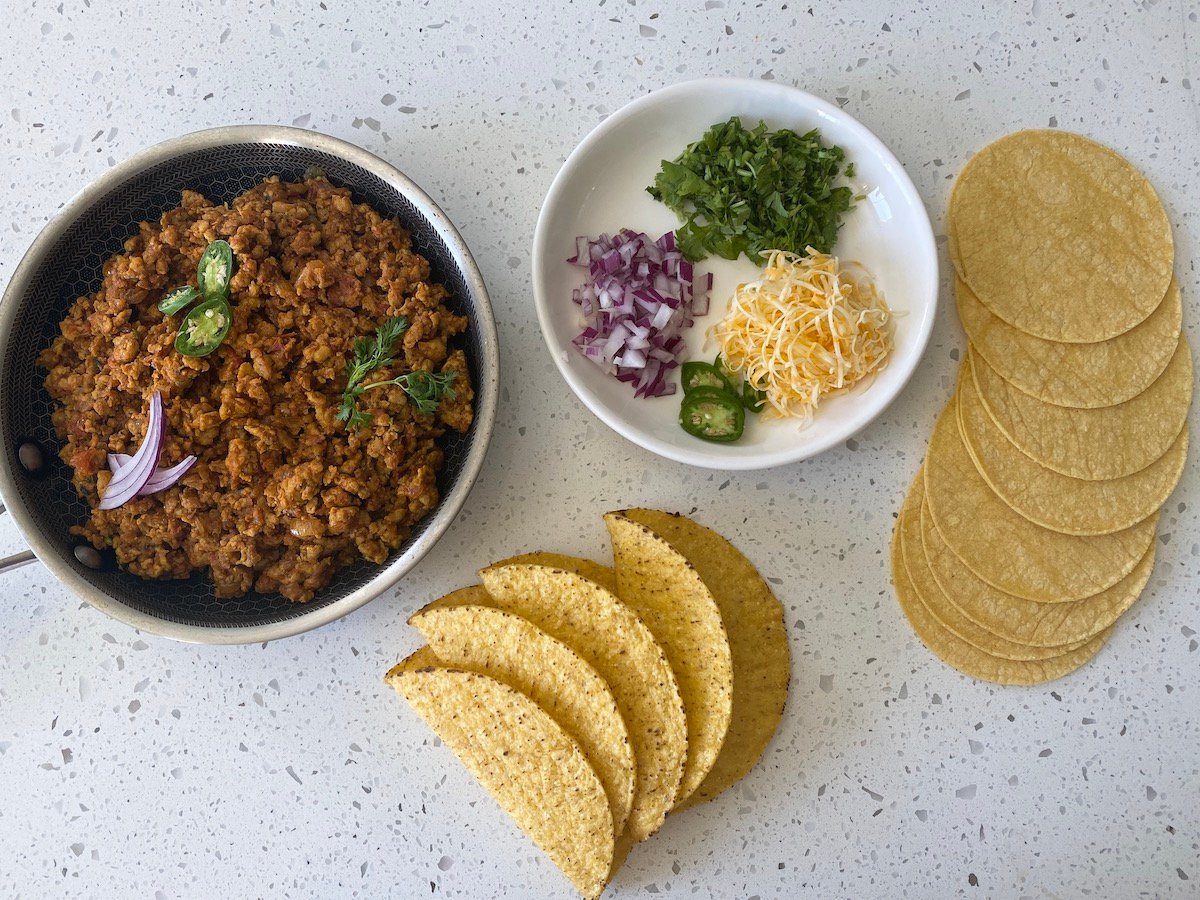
(1030, 528)
(591, 701)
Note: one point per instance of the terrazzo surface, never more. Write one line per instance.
(131, 766)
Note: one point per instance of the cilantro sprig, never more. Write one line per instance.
(425, 389)
(746, 191)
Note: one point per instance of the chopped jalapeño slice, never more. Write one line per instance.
(712, 415)
(177, 300)
(696, 374)
(215, 270)
(204, 328)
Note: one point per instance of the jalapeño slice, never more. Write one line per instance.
(215, 270)
(752, 398)
(712, 415)
(203, 329)
(696, 374)
(177, 300)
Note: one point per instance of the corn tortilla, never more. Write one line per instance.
(513, 650)
(940, 606)
(614, 639)
(956, 652)
(1060, 236)
(1094, 444)
(601, 574)
(1004, 548)
(537, 772)
(758, 643)
(1026, 621)
(667, 592)
(1085, 376)
(1056, 501)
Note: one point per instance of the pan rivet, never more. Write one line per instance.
(89, 556)
(31, 457)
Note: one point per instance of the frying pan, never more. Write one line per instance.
(64, 263)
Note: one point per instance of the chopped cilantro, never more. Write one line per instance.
(747, 191)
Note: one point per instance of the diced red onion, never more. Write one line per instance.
(632, 359)
(639, 297)
(702, 299)
(129, 479)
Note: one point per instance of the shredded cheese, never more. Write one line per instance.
(806, 329)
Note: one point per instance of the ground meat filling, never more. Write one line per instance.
(283, 494)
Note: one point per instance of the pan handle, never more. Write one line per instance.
(8, 563)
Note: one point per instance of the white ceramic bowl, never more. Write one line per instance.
(601, 188)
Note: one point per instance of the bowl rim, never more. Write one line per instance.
(486, 387)
(925, 245)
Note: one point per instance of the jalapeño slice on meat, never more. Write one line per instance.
(204, 328)
(713, 415)
(177, 300)
(696, 374)
(215, 270)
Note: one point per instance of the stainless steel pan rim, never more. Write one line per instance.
(487, 386)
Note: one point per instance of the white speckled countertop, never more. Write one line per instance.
(131, 766)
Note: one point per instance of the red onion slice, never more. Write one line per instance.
(160, 480)
(130, 478)
(164, 478)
